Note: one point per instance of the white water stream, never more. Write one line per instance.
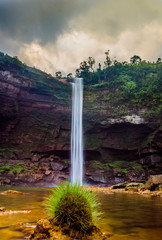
(77, 132)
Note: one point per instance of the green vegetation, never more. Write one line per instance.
(72, 205)
(99, 165)
(137, 84)
(125, 166)
(135, 166)
(114, 87)
(92, 141)
(7, 151)
(119, 166)
(12, 168)
(35, 81)
(149, 139)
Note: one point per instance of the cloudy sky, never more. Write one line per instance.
(56, 35)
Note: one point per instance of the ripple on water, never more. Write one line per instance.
(127, 217)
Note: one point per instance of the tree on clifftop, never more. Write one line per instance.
(91, 62)
(108, 60)
(58, 74)
(135, 59)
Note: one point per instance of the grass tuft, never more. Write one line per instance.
(73, 206)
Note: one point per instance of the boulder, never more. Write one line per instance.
(153, 182)
(146, 192)
(2, 209)
(135, 184)
(160, 187)
(47, 230)
(134, 187)
(57, 166)
(119, 186)
(42, 230)
(11, 192)
(47, 172)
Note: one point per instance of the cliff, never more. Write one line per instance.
(121, 143)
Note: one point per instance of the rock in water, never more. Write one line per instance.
(153, 182)
(11, 192)
(49, 231)
(2, 209)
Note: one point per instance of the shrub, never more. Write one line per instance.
(73, 206)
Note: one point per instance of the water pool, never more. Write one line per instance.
(126, 216)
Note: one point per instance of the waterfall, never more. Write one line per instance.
(77, 132)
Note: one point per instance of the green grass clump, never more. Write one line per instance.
(136, 166)
(12, 168)
(73, 206)
(99, 165)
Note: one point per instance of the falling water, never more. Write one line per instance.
(77, 132)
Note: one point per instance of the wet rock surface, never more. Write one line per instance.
(42, 173)
(2, 209)
(45, 229)
(11, 192)
(130, 188)
(154, 182)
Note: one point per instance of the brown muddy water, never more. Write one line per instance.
(126, 216)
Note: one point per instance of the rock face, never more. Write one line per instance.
(35, 123)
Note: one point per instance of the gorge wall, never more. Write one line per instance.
(35, 124)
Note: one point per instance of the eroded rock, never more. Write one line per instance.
(11, 192)
(2, 209)
(48, 230)
(119, 186)
(153, 182)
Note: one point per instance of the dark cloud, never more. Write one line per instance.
(38, 20)
(44, 20)
(69, 31)
(110, 17)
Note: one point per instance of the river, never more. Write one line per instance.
(125, 216)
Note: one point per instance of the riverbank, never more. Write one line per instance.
(152, 187)
(109, 190)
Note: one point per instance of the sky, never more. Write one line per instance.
(56, 35)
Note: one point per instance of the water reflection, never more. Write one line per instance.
(132, 216)
(127, 217)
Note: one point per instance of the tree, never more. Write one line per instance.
(77, 72)
(135, 59)
(100, 73)
(125, 62)
(91, 62)
(108, 60)
(115, 62)
(58, 74)
(84, 67)
(69, 76)
(99, 67)
(83, 70)
(129, 88)
(158, 60)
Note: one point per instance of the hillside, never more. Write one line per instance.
(120, 86)
(122, 124)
